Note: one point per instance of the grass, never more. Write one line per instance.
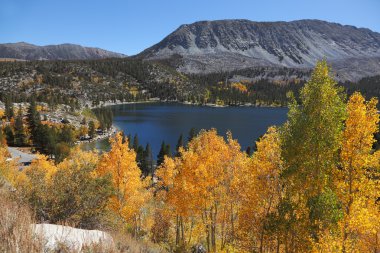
(15, 230)
(16, 234)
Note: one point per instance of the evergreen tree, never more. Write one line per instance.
(179, 144)
(9, 112)
(20, 137)
(135, 142)
(34, 121)
(67, 135)
(9, 135)
(192, 134)
(140, 154)
(168, 151)
(91, 129)
(2, 137)
(161, 154)
(147, 163)
(129, 141)
(248, 151)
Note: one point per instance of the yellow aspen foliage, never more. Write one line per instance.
(202, 187)
(79, 159)
(262, 191)
(327, 242)
(240, 87)
(130, 190)
(358, 181)
(42, 166)
(8, 168)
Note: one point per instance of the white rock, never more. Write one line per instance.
(74, 238)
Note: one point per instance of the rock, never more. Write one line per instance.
(73, 238)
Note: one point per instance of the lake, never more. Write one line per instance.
(157, 122)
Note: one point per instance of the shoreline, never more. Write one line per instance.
(105, 104)
(113, 130)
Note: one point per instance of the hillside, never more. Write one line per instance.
(90, 82)
(26, 51)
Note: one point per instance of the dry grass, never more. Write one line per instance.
(16, 235)
(15, 230)
(127, 244)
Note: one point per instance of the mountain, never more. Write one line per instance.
(26, 51)
(212, 46)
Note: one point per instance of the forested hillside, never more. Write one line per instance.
(76, 83)
(91, 82)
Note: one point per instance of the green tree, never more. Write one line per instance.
(179, 144)
(9, 135)
(91, 129)
(9, 112)
(135, 142)
(192, 134)
(147, 162)
(310, 143)
(34, 121)
(67, 135)
(161, 154)
(20, 137)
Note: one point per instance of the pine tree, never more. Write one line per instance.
(147, 162)
(2, 137)
(168, 151)
(34, 121)
(9, 135)
(161, 154)
(20, 137)
(91, 129)
(9, 112)
(135, 142)
(130, 145)
(192, 134)
(179, 145)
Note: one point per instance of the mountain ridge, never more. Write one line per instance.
(211, 46)
(66, 51)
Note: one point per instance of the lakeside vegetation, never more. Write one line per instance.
(54, 137)
(311, 185)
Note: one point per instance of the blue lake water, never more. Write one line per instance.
(157, 122)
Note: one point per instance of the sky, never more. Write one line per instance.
(129, 27)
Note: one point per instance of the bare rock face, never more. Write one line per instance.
(210, 46)
(25, 51)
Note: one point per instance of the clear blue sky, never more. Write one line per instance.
(128, 26)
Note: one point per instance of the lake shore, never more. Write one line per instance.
(156, 100)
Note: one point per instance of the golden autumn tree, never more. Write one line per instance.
(8, 168)
(130, 190)
(260, 192)
(67, 192)
(36, 183)
(202, 187)
(357, 181)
